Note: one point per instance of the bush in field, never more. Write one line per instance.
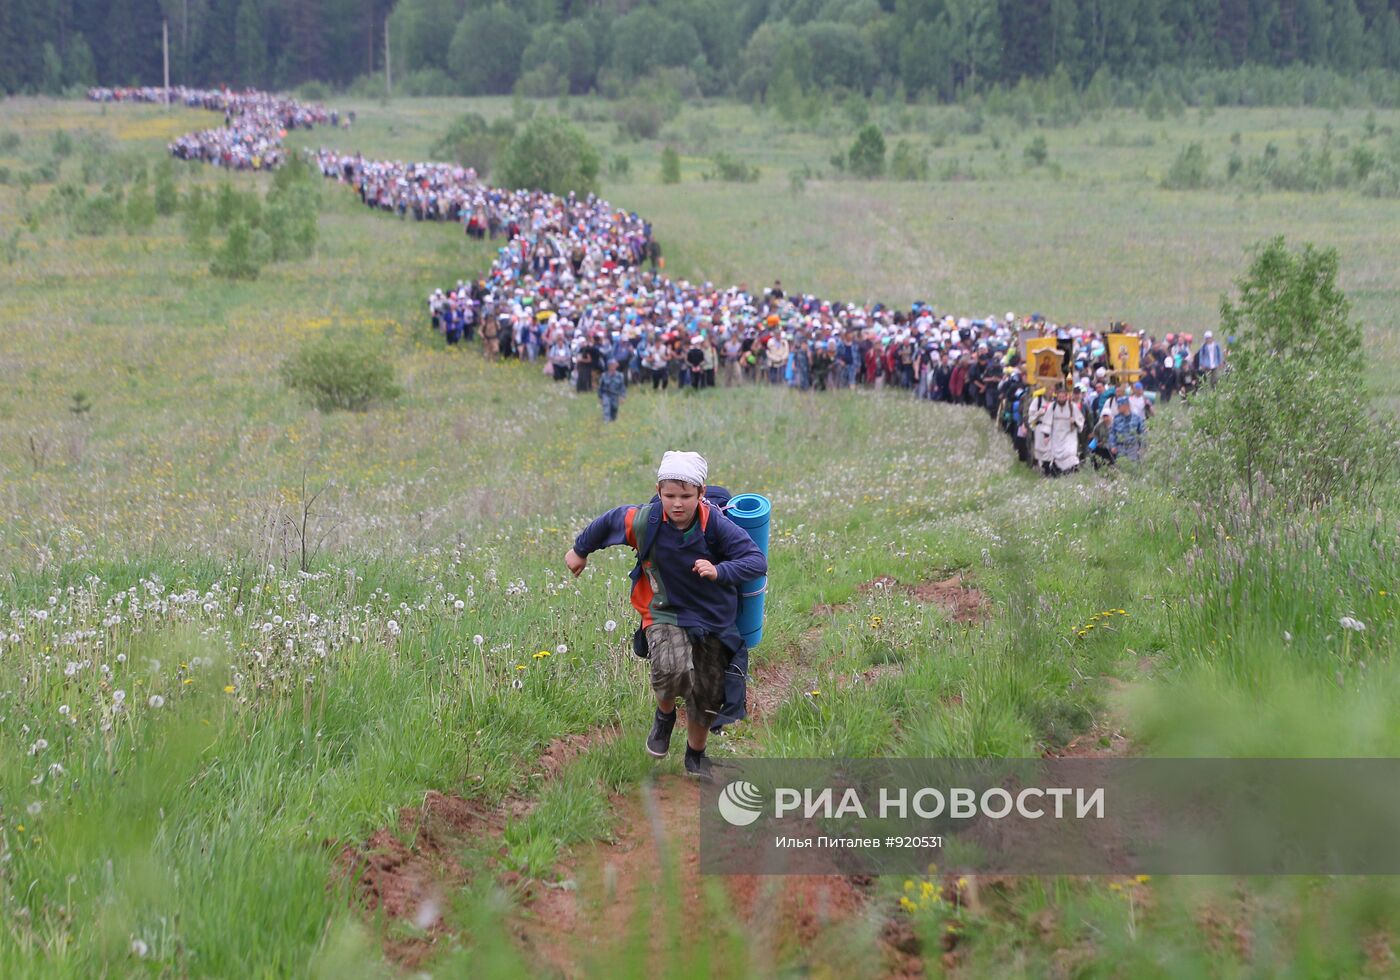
(197, 219)
(291, 212)
(235, 258)
(341, 371)
(96, 215)
(140, 209)
(1289, 422)
(231, 205)
(731, 170)
(472, 142)
(867, 156)
(167, 198)
(670, 166)
(907, 163)
(1189, 170)
(1037, 151)
(551, 155)
(639, 119)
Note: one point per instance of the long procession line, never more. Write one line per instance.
(259, 122)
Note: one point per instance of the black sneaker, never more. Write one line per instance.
(699, 767)
(659, 741)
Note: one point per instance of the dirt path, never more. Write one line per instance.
(411, 882)
(613, 908)
(611, 889)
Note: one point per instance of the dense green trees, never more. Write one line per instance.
(781, 51)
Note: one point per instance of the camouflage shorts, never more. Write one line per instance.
(683, 667)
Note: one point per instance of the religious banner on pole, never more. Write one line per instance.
(1124, 353)
(1043, 361)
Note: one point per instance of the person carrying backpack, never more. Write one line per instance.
(690, 561)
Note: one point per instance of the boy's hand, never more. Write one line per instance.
(704, 569)
(576, 562)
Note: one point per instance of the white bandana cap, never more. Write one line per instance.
(686, 467)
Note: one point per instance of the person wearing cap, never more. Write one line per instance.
(1099, 451)
(1138, 401)
(685, 588)
(1210, 358)
(1128, 435)
(612, 389)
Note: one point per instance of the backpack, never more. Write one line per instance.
(718, 498)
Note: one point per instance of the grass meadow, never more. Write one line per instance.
(239, 634)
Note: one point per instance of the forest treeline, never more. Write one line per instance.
(750, 49)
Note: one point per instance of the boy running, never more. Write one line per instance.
(693, 559)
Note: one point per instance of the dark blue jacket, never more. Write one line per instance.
(668, 591)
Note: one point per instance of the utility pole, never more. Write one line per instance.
(165, 53)
(388, 75)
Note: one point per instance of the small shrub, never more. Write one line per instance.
(9, 141)
(62, 144)
(731, 170)
(1233, 166)
(235, 258)
(292, 212)
(429, 82)
(197, 219)
(1037, 151)
(140, 209)
(1289, 421)
(670, 166)
(867, 154)
(907, 163)
(472, 142)
(313, 92)
(167, 198)
(620, 168)
(1189, 170)
(338, 371)
(97, 215)
(551, 155)
(639, 120)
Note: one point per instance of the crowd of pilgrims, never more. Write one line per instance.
(255, 123)
(577, 286)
